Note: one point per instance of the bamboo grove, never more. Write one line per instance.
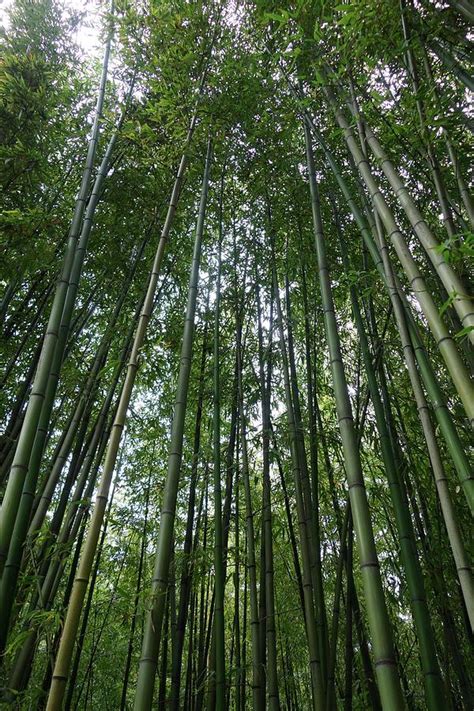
(236, 346)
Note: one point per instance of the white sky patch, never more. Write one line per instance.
(88, 32)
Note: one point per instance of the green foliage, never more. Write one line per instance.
(270, 64)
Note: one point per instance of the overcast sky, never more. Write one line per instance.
(88, 32)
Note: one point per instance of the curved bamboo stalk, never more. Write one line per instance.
(385, 664)
(19, 468)
(461, 463)
(443, 340)
(65, 650)
(432, 677)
